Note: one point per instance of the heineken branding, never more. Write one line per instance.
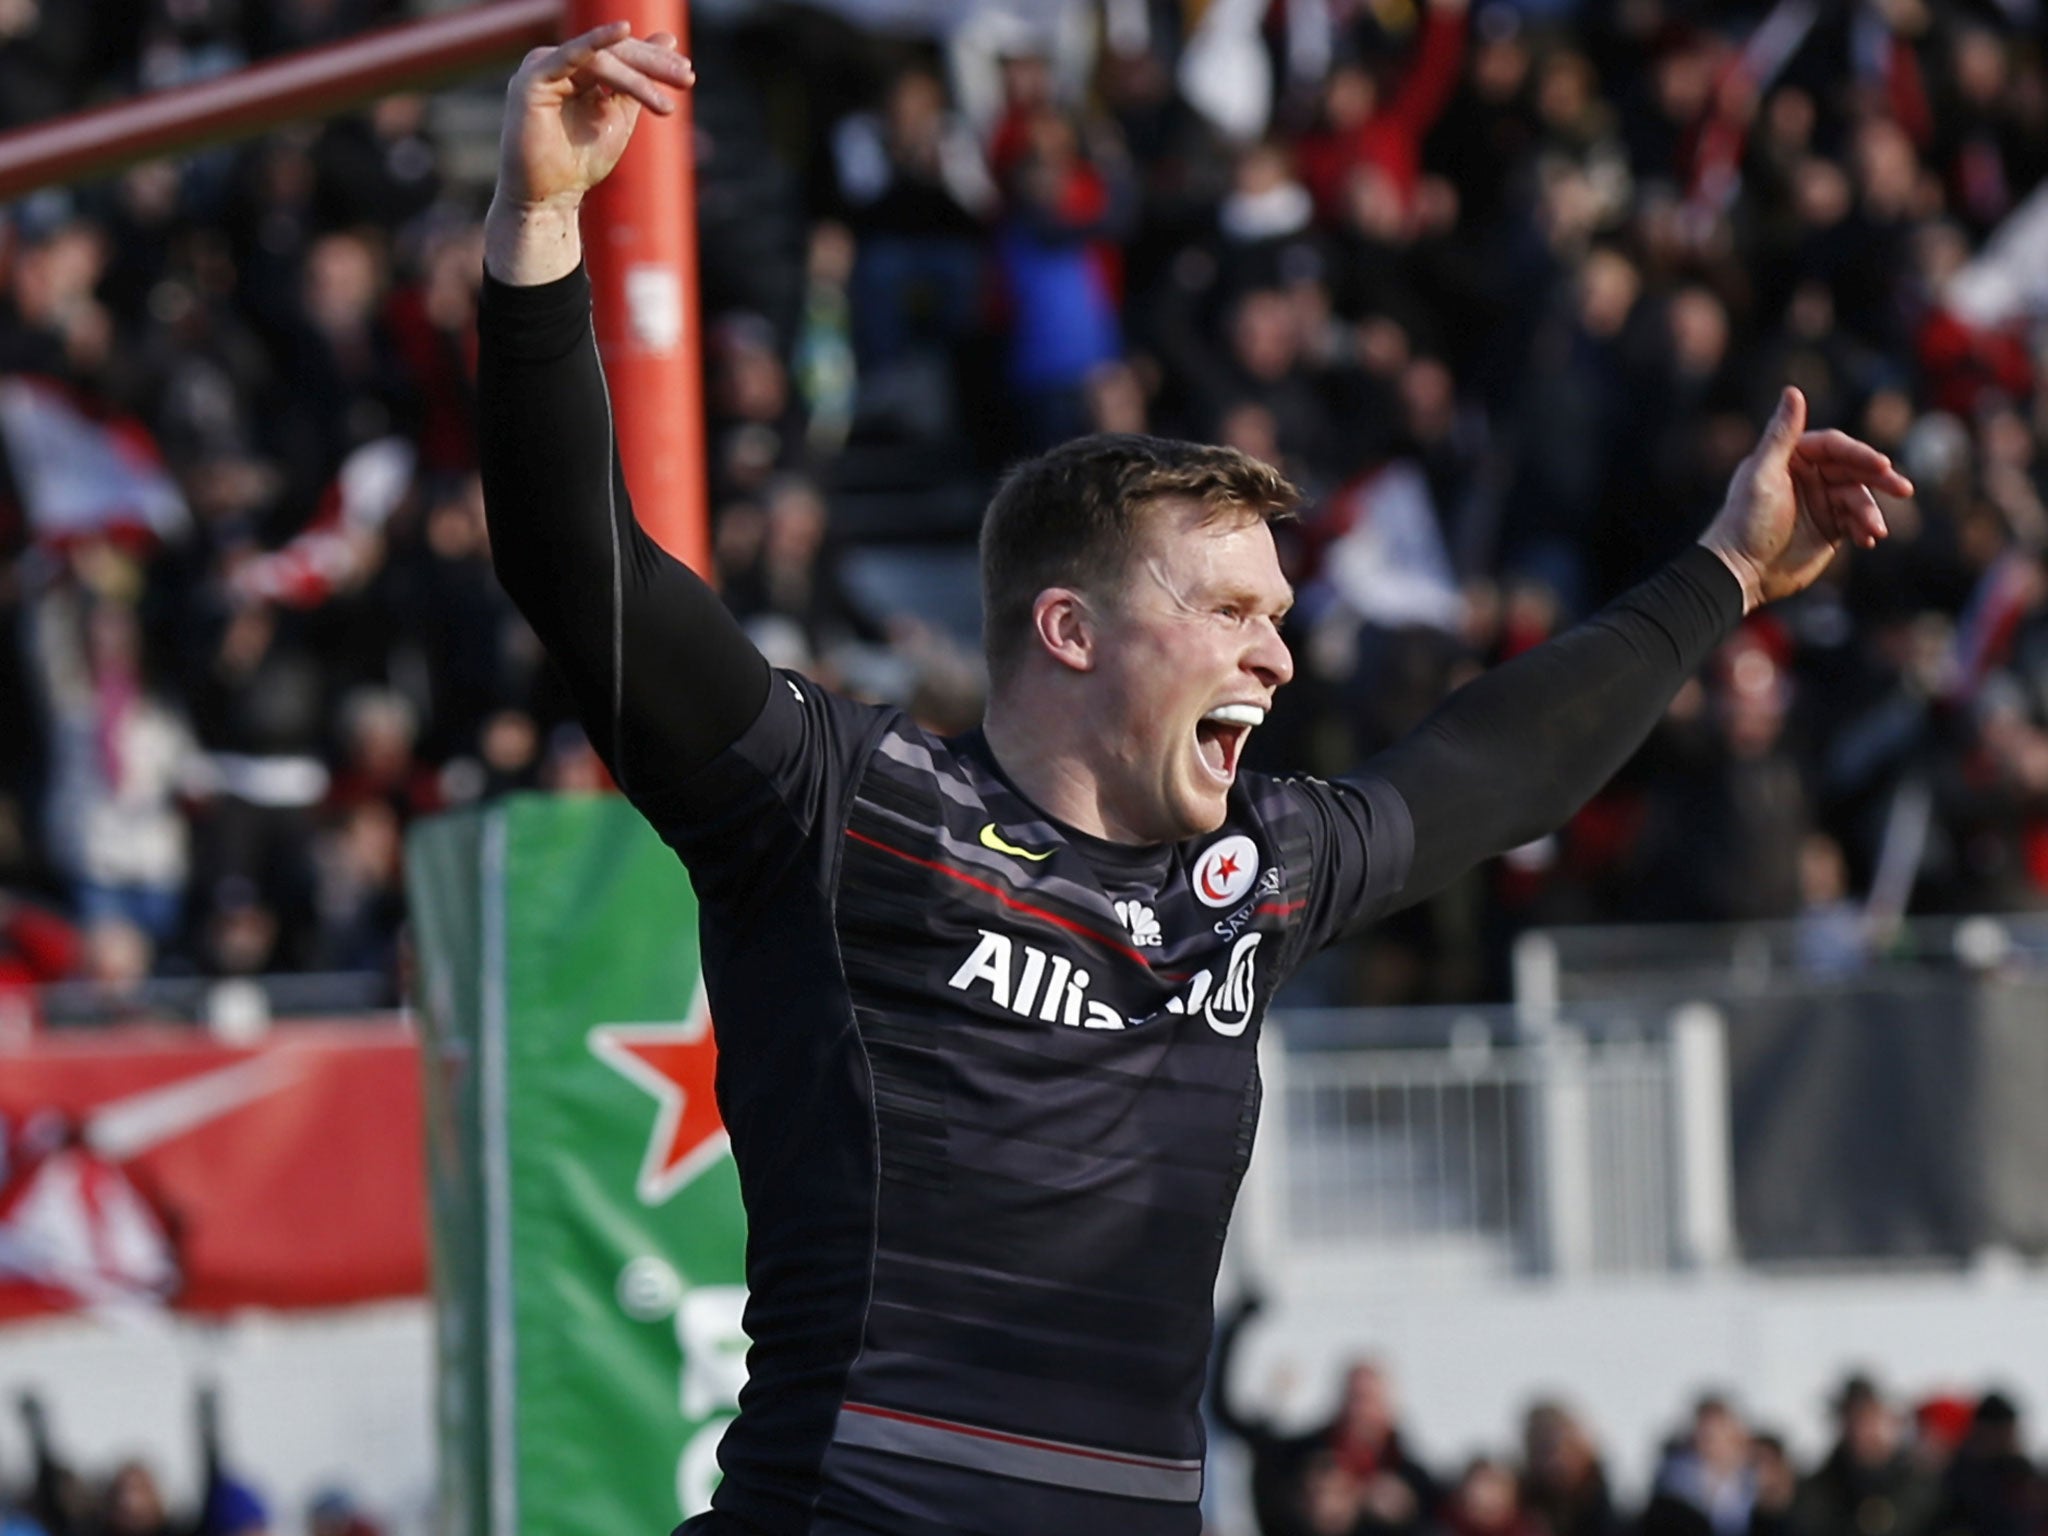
(589, 1242)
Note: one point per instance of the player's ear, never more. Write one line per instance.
(1065, 627)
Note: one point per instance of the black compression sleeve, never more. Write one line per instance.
(1512, 755)
(664, 677)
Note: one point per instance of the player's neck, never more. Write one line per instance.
(1044, 752)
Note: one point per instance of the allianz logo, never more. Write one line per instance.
(1032, 983)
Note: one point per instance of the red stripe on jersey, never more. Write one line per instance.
(1020, 906)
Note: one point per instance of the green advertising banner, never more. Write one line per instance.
(589, 1242)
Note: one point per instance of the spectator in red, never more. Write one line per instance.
(1395, 1490)
(36, 946)
(1354, 1467)
(433, 324)
(1963, 361)
(380, 732)
(1991, 1488)
(1028, 89)
(1356, 129)
(1486, 1502)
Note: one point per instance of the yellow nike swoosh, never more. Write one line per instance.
(991, 838)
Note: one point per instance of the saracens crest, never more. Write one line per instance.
(1225, 870)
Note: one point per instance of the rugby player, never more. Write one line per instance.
(987, 1007)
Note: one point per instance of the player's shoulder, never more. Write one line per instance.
(1278, 812)
(1281, 794)
(801, 705)
(1275, 799)
(1300, 809)
(880, 739)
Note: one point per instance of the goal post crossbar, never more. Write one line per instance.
(313, 83)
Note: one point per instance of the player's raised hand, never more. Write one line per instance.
(570, 111)
(569, 115)
(1795, 500)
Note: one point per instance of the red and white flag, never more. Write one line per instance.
(82, 476)
(338, 547)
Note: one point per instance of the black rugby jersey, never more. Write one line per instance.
(990, 1082)
(991, 1087)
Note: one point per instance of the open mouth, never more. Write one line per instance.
(1220, 737)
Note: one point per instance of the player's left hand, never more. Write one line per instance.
(1795, 500)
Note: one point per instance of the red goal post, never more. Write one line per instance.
(640, 227)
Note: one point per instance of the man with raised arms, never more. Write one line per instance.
(987, 1006)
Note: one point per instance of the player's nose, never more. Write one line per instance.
(1269, 657)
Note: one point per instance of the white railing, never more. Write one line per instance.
(1590, 1129)
(1483, 1156)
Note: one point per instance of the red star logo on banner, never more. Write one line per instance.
(674, 1062)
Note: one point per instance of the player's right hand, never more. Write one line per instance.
(570, 111)
(1795, 500)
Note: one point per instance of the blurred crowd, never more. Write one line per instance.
(57, 1500)
(1948, 1465)
(1506, 288)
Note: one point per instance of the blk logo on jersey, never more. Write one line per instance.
(1226, 870)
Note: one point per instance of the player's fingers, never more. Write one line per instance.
(1890, 481)
(606, 68)
(1843, 458)
(1838, 512)
(1856, 515)
(1835, 447)
(578, 51)
(1811, 493)
(1882, 478)
(1807, 484)
(656, 56)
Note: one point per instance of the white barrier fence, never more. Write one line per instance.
(1481, 1155)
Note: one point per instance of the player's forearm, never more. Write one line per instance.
(663, 676)
(545, 448)
(525, 246)
(1514, 754)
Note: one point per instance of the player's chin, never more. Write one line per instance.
(1202, 808)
